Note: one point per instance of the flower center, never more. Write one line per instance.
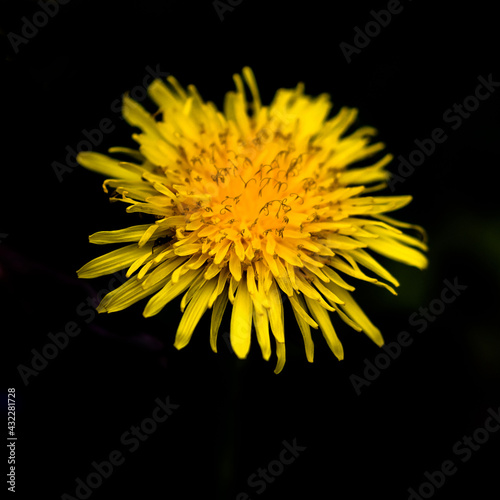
(254, 187)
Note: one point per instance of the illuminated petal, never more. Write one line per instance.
(169, 292)
(193, 313)
(241, 321)
(217, 314)
(298, 307)
(326, 327)
(104, 165)
(114, 261)
(261, 322)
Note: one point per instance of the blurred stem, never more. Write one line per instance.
(231, 429)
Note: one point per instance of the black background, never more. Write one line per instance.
(233, 415)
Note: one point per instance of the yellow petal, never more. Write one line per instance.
(113, 261)
(169, 292)
(188, 249)
(289, 255)
(365, 259)
(136, 115)
(275, 312)
(310, 292)
(221, 284)
(105, 165)
(220, 250)
(299, 308)
(261, 322)
(198, 283)
(127, 294)
(241, 321)
(405, 239)
(133, 233)
(252, 85)
(367, 175)
(137, 264)
(164, 270)
(325, 324)
(235, 266)
(148, 234)
(352, 309)
(336, 278)
(218, 312)
(299, 312)
(271, 263)
(388, 247)
(404, 225)
(327, 292)
(252, 288)
(281, 354)
(192, 315)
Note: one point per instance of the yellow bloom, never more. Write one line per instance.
(251, 206)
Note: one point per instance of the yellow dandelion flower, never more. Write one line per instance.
(252, 205)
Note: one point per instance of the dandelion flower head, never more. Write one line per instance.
(255, 206)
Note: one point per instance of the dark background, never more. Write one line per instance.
(233, 415)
